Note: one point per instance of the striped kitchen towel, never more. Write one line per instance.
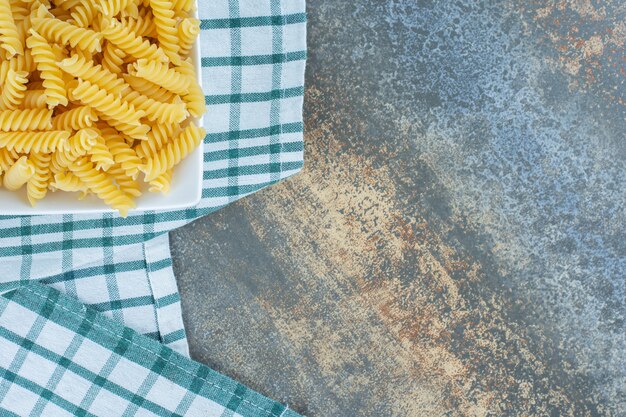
(253, 58)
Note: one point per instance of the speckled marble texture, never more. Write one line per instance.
(456, 243)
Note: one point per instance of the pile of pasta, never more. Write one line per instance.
(97, 96)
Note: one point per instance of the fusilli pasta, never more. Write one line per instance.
(50, 73)
(131, 43)
(160, 74)
(18, 174)
(9, 40)
(31, 119)
(102, 185)
(173, 152)
(37, 185)
(14, 89)
(105, 103)
(96, 96)
(25, 142)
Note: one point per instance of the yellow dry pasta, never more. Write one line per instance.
(156, 110)
(100, 154)
(84, 13)
(105, 102)
(183, 6)
(162, 183)
(188, 31)
(14, 89)
(165, 24)
(7, 158)
(18, 174)
(127, 184)
(133, 131)
(156, 139)
(141, 25)
(66, 181)
(78, 145)
(65, 33)
(122, 153)
(9, 40)
(162, 75)
(195, 96)
(149, 89)
(37, 185)
(31, 119)
(34, 99)
(102, 185)
(24, 142)
(174, 152)
(17, 63)
(111, 8)
(96, 96)
(80, 67)
(131, 43)
(44, 57)
(113, 58)
(75, 119)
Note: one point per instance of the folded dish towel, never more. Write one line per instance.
(59, 358)
(253, 57)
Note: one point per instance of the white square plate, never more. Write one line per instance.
(185, 191)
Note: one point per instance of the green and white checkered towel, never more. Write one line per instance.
(253, 58)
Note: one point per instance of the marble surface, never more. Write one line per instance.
(456, 242)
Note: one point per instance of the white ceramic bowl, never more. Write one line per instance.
(186, 189)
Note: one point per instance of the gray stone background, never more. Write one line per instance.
(455, 244)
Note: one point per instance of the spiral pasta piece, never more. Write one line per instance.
(105, 103)
(61, 14)
(173, 152)
(162, 183)
(32, 119)
(165, 23)
(102, 185)
(34, 99)
(44, 57)
(195, 97)
(17, 63)
(183, 6)
(65, 33)
(25, 142)
(14, 89)
(156, 139)
(20, 12)
(132, 44)
(7, 158)
(188, 31)
(157, 111)
(113, 58)
(18, 174)
(77, 146)
(67, 181)
(149, 89)
(101, 155)
(112, 8)
(82, 68)
(162, 75)
(132, 131)
(67, 4)
(141, 25)
(123, 154)
(84, 13)
(127, 185)
(37, 185)
(75, 119)
(9, 40)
